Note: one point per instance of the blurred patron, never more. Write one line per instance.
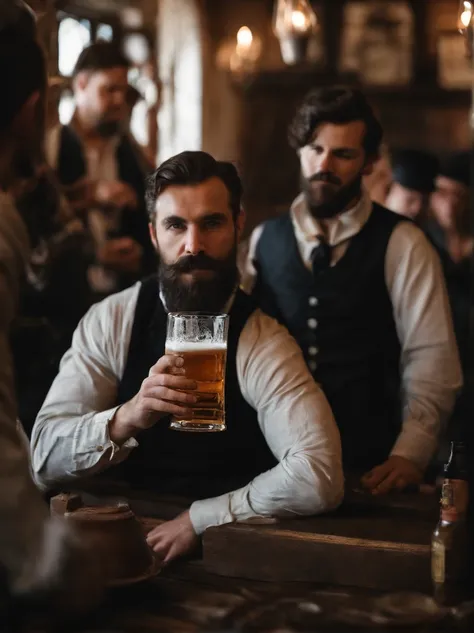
(103, 169)
(38, 554)
(413, 174)
(451, 234)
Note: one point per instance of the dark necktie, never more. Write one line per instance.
(321, 256)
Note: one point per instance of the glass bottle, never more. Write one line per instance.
(449, 543)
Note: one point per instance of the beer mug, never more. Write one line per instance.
(201, 340)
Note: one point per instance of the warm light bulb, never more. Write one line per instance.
(244, 37)
(298, 20)
(466, 17)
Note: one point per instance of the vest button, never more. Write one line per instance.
(312, 351)
(313, 301)
(312, 323)
(312, 365)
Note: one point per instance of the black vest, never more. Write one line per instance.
(71, 163)
(343, 321)
(71, 167)
(191, 465)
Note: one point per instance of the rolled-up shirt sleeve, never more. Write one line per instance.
(431, 370)
(298, 425)
(71, 434)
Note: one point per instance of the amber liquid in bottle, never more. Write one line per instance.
(449, 543)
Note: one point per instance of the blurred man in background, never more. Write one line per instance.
(413, 174)
(104, 170)
(450, 232)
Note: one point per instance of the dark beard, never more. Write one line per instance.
(337, 203)
(107, 129)
(203, 295)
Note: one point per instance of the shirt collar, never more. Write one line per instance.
(338, 229)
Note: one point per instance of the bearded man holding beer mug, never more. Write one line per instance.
(110, 406)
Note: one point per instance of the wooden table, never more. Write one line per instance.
(187, 599)
(321, 573)
(354, 546)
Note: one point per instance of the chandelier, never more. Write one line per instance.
(294, 23)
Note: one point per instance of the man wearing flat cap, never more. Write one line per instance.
(448, 228)
(414, 173)
(450, 201)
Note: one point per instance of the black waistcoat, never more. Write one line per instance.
(192, 465)
(71, 162)
(72, 167)
(343, 321)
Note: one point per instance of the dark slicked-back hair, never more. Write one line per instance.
(192, 168)
(336, 104)
(22, 73)
(100, 56)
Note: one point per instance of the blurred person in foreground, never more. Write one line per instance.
(362, 291)
(39, 556)
(56, 292)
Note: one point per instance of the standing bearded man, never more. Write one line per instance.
(362, 291)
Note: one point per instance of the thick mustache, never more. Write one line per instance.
(325, 176)
(195, 262)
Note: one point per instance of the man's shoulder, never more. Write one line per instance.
(127, 141)
(278, 221)
(409, 246)
(118, 306)
(62, 139)
(263, 329)
(385, 214)
(278, 227)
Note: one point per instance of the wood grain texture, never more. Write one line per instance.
(285, 555)
(353, 546)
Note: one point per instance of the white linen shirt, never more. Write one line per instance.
(431, 371)
(71, 437)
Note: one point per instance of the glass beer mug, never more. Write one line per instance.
(201, 340)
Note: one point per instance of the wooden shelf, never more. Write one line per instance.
(302, 78)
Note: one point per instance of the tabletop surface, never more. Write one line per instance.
(191, 596)
(185, 598)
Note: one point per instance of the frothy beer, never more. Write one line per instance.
(205, 364)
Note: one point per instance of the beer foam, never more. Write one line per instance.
(199, 346)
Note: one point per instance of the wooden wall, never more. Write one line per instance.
(247, 122)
